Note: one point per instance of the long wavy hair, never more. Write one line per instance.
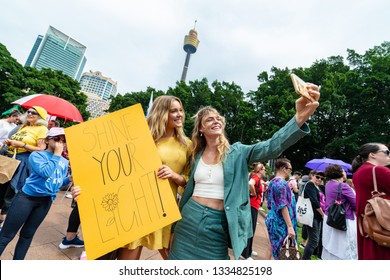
(199, 141)
(158, 118)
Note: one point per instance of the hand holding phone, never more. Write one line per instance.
(300, 87)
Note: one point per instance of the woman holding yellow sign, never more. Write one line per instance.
(165, 120)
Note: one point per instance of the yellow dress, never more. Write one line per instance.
(177, 157)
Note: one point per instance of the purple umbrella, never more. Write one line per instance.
(322, 163)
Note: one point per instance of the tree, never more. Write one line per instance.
(122, 101)
(17, 81)
(54, 82)
(11, 79)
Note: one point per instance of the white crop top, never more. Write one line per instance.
(209, 180)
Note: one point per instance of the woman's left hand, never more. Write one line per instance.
(76, 191)
(304, 107)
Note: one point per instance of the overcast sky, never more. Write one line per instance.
(140, 43)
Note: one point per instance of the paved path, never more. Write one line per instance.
(51, 232)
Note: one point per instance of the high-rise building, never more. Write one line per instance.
(96, 83)
(98, 88)
(58, 51)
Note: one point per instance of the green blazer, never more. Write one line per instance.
(235, 169)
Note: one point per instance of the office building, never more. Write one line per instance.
(58, 51)
(98, 88)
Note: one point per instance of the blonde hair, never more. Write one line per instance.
(158, 118)
(24, 121)
(199, 141)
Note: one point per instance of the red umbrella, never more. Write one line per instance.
(54, 106)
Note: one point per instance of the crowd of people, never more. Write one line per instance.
(218, 199)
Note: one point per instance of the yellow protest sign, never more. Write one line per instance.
(115, 161)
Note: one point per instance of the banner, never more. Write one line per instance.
(115, 161)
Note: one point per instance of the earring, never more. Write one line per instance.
(201, 135)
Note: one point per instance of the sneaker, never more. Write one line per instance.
(254, 254)
(75, 243)
(249, 259)
(302, 246)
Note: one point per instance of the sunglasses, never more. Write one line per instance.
(29, 112)
(58, 139)
(387, 152)
(320, 178)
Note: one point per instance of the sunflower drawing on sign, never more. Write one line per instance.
(110, 203)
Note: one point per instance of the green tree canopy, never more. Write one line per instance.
(354, 104)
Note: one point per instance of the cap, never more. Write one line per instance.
(42, 112)
(55, 131)
(305, 178)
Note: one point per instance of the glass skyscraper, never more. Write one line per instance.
(58, 51)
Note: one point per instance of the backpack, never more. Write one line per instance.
(374, 223)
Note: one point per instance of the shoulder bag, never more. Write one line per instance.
(336, 213)
(8, 166)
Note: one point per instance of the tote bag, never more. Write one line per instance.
(305, 214)
(8, 166)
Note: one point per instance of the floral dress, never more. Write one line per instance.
(279, 195)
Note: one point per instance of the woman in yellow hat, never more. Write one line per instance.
(30, 137)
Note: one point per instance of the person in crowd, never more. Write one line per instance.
(338, 244)
(305, 179)
(6, 125)
(281, 218)
(350, 183)
(215, 204)
(264, 181)
(302, 182)
(370, 155)
(313, 232)
(165, 120)
(53, 123)
(256, 194)
(30, 137)
(321, 188)
(32, 203)
(71, 239)
(293, 183)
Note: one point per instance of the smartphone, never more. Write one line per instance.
(300, 87)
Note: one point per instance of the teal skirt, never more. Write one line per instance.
(201, 234)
